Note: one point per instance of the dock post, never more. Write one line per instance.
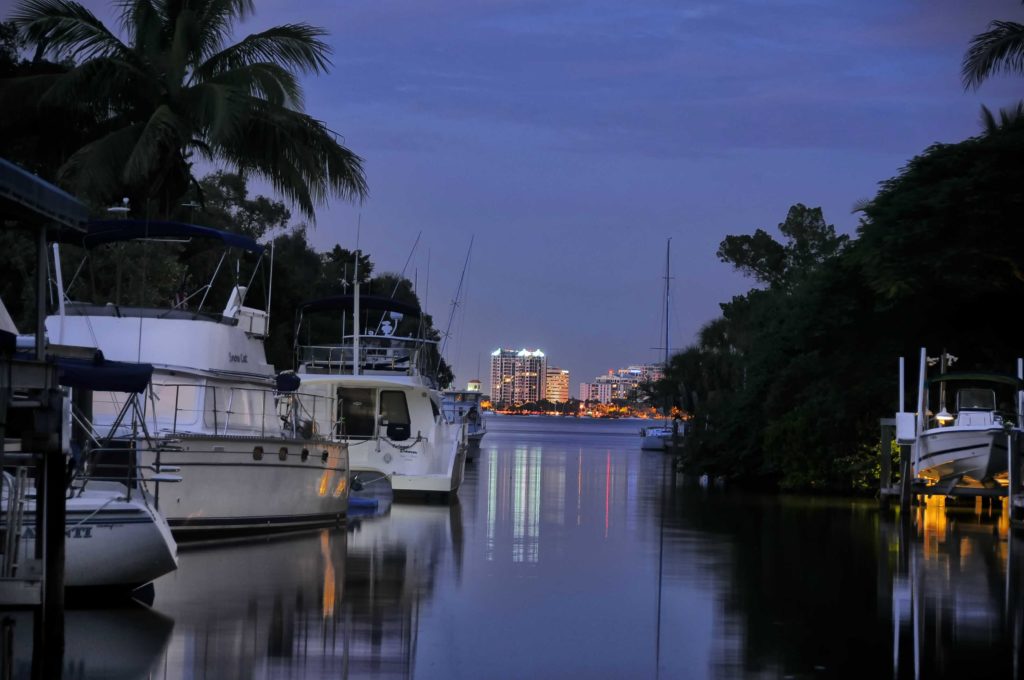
(1013, 470)
(885, 474)
(905, 479)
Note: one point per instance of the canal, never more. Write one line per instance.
(572, 553)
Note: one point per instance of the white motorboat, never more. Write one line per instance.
(240, 441)
(968, 445)
(389, 410)
(656, 438)
(464, 406)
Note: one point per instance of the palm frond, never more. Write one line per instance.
(218, 108)
(296, 47)
(164, 130)
(143, 20)
(63, 26)
(218, 17)
(999, 49)
(269, 82)
(105, 83)
(1007, 117)
(298, 155)
(94, 171)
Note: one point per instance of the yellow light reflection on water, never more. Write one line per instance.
(327, 605)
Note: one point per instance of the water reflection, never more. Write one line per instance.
(391, 571)
(572, 553)
(120, 643)
(331, 604)
(956, 605)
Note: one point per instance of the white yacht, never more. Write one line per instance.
(965, 446)
(389, 411)
(239, 440)
(464, 406)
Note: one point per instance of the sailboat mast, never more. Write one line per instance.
(668, 251)
(664, 366)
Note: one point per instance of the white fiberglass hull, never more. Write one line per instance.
(250, 484)
(473, 444)
(976, 455)
(421, 469)
(111, 540)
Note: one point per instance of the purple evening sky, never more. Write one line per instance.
(573, 138)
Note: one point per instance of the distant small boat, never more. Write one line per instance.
(968, 445)
(657, 438)
(464, 406)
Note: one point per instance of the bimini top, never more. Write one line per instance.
(114, 231)
(103, 375)
(345, 303)
(979, 376)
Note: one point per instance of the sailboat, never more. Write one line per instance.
(659, 437)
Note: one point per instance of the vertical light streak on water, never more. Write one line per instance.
(492, 504)
(532, 537)
(552, 481)
(579, 488)
(607, 489)
(518, 501)
(526, 494)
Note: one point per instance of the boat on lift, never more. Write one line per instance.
(959, 431)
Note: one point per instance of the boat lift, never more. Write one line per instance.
(901, 431)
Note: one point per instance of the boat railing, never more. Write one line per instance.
(380, 354)
(171, 409)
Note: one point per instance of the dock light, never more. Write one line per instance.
(943, 416)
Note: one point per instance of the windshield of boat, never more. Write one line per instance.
(975, 399)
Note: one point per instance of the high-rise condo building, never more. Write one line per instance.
(556, 385)
(517, 376)
(625, 383)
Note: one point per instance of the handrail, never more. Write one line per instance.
(228, 410)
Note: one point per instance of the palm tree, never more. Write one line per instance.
(1000, 48)
(174, 91)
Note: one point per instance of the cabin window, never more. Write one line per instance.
(356, 409)
(394, 414)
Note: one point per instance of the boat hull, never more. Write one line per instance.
(248, 484)
(656, 438)
(412, 475)
(111, 541)
(977, 456)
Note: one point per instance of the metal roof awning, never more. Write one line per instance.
(26, 197)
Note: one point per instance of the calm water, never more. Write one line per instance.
(574, 554)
